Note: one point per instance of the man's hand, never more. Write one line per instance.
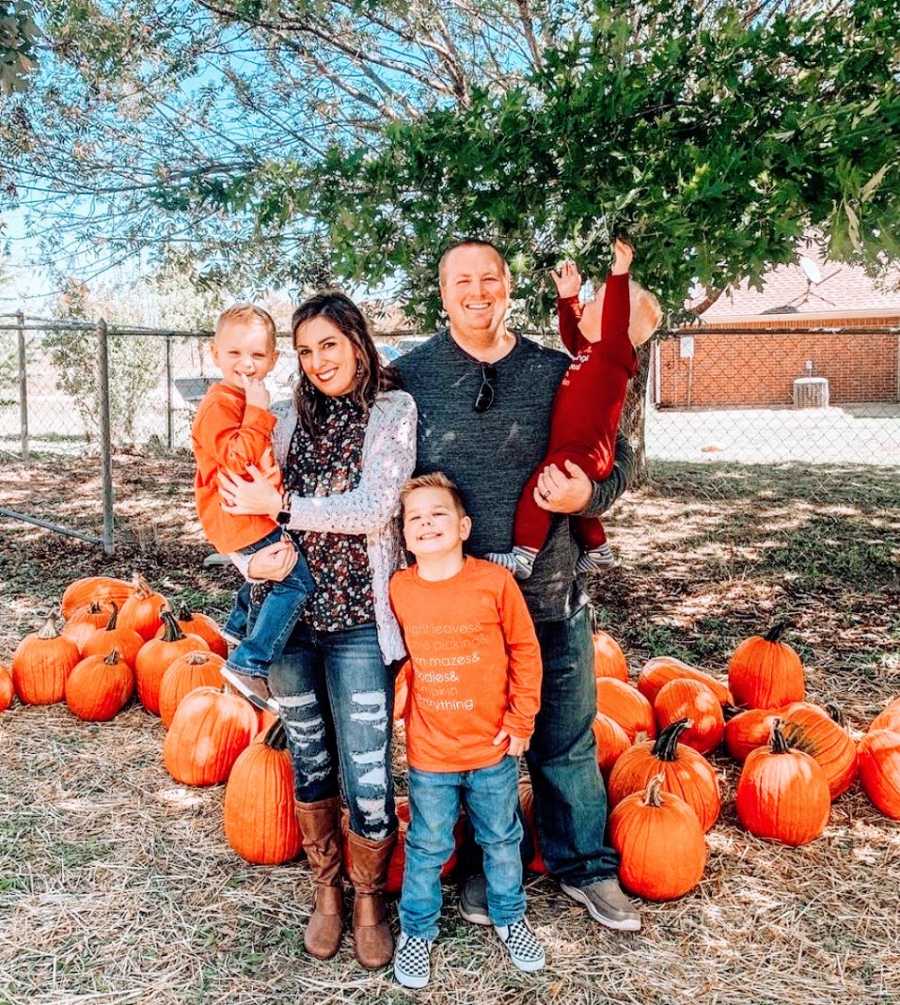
(568, 280)
(256, 392)
(516, 746)
(563, 493)
(273, 562)
(623, 254)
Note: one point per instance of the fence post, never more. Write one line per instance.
(170, 432)
(23, 387)
(105, 436)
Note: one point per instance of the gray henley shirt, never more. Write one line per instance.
(491, 455)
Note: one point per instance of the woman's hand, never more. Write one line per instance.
(256, 497)
(273, 562)
(563, 493)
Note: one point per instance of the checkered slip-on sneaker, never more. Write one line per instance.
(412, 961)
(521, 943)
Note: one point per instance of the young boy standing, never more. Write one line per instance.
(232, 430)
(475, 690)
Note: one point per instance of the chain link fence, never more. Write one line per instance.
(746, 396)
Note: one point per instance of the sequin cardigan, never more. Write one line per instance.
(372, 508)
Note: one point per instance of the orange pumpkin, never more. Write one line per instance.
(125, 641)
(748, 730)
(782, 794)
(659, 671)
(99, 589)
(685, 773)
(612, 741)
(209, 730)
(401, 690)
(142, 611)
(888, 718)
(259, 812)
(7, 691)
(693, 701)
(627, 706)
(157, 655)
(609, 660)
(820, 733)
(85, 621)
(195, 623)
(40, 665)
(879, 770)
(764, 672)
(526, 801)
(660, 843)
(398, 856)
(185, 673)
(99, 687)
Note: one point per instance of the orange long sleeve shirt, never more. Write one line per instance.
(476, 665)
(228, 433)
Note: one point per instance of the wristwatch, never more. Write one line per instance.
(283, 517)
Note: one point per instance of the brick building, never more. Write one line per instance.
(815, 319)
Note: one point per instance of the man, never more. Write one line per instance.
(484, 397)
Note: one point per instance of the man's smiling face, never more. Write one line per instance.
(475, 290)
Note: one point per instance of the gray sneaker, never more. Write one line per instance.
(473, 900)
(606, 903)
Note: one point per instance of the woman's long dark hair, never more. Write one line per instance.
(372, 375)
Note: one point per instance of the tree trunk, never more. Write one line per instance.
(634, 415)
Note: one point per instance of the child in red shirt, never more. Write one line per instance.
(232, 430)
(588, 404)
(475, 690)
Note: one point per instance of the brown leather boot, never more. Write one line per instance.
(320, 825)
(373, 943)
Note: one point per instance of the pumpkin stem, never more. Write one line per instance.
(111, 624)
(185, 614)
(196, 659)
(173, 631)
(113, 658)
(837, 714)
(777, 630)
(651, 793)
(729, 711)
(276, 737)
(49, 630)
(666, 746)
(141, 586)
(777, 740)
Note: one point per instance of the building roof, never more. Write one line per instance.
(813, 288)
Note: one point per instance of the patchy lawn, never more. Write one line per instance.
(117, 886)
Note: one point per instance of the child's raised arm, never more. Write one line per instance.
(568, 307)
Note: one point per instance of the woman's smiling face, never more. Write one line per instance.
(327, 356)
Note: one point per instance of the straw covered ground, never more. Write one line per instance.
(117, 886)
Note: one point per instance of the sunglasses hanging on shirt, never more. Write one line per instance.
(488, 390)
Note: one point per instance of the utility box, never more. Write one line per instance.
(811, 392)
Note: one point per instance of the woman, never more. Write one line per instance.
(345, 445)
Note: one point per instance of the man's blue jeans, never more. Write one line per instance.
(569, 795)
(337, 703)
(275, 617)
(490, 796)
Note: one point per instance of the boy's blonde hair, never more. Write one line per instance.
(434, 480)
(249, 314)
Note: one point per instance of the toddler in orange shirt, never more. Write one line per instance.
(232, 430)
(474, 692)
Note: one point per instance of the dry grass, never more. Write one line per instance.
(117, 887)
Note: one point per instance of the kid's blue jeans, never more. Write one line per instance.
(264, 637)
(491, 798)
